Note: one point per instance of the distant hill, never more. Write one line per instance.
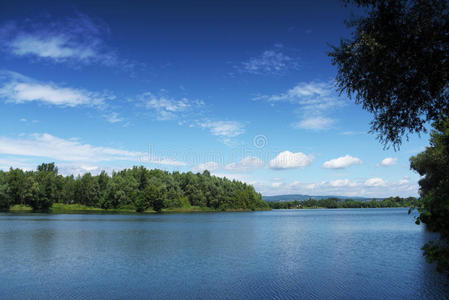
(301, 197)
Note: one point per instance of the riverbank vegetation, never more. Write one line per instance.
(136, 189)
(346, 203)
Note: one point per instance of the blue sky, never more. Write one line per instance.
(242, 88)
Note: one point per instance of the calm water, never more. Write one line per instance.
(310, 254)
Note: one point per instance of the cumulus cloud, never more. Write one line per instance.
(273, 61)
(55, 148)
(372, 188)
(342, 162)
(246, 164)
(18, 88)
(290, 160)
(389, 161)
(227, 129)
(210, 166)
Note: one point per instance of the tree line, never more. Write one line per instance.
(136, 188)
(346, 203)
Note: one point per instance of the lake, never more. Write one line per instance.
(288, 254)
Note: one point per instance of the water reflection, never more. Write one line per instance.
(371, 253)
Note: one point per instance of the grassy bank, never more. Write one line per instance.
(60, 208)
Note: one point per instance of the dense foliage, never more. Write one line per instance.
(346, 203)
(396, 64)
(137, 188)
(433, 165)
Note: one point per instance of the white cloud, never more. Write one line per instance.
(56, 47)
(162, 161)
(389, 161)
(113, 118)
(227, 129)
(277, 184)
(18, 88)
(371, 188)
(405, 180)
(234, 176)
(48, 146)
(314, 100)
(312, 96)
(246, 164)
(314, 123)
(342, 162)
(167, 108)
(73, 40)
(210, 166)
(353, 132)
(14, 162)
(273, 61)
(342, 183)
(375, 182)
(289, 160)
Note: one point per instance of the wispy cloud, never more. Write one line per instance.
(74, 40)
(246, 164)
(14, 162)
(342, 162)
(113, 117)
(314, 101)
(18, 88)
(189, 112)
(72, 150)
(227, 129)
(49, 146)
(273, 61)
(210, 166)
(167, 108)
(353, 132)
(314, 123)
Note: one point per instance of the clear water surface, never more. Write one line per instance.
(307, 254)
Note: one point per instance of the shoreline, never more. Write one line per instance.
(59, 208)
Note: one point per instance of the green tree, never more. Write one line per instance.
(68, 190)
(15, 180)
(433, 165)
(88, 190)
(33, 195)
(47, 179)
(397, 64)
(5, 199)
